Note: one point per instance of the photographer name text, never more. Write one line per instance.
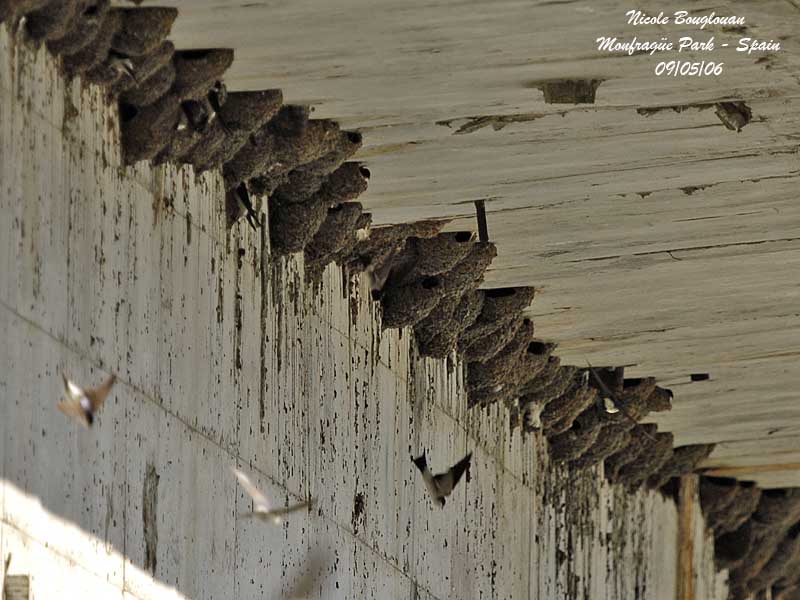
(685, 43)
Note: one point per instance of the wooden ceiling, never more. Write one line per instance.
(658, 238)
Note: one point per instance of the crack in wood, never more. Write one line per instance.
(686, 249)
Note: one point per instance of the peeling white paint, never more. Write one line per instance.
(222, 360)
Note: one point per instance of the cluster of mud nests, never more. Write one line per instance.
(756, 537)
(175, 108)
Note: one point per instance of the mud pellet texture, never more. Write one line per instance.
(82, 29)
(143, 29)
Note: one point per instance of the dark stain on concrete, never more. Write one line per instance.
(358, 511)
(264, 258)
(109, 512)
(149, 518)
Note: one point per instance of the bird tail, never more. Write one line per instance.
(421, 462)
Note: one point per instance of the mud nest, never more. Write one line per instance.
(52, 20)
(196, 71)
(96, 51)
(292, 225)
(240, 115)
(145, 67)
(684, 459)
(640, 438)
(307, 178)
(152, 88)
(431, 256)
(489, 345)
(500, 367)
(612, 438)
(468, 273)
(779, 564)
(385, 242)
(502, 378)
(411, 302)
(146, 131)
(762, 548)
(559, 414)
(271, 155)
(437, 334)
(336, 232)
(143, 30)
(648, 461)
(574, 442)
(778, 508)
(501, 310)
(730, 548)
(726, 503)
(82, 28)
(531, 404)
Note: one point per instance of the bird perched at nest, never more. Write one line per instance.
(262, 509)
(83, 404)
(610, 402)
(197, 115)
(441, 486)
(217, 96)
(245, 205)
(122, 64)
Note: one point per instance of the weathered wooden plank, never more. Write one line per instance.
(665, 240)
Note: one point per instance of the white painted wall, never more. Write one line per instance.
(225, 360)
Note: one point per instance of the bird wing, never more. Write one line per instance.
(98, 395)
(71, 408)
(447, 481)
(279, 512)
(430, 481)
(599, 381)
(610, 407)
(260, 501)
(71, 388)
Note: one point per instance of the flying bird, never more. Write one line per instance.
(441, 486)
(83, 404)
(262, 509)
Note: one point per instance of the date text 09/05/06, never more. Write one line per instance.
(674, 68)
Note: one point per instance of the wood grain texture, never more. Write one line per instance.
(226, 358)
(660, 239)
